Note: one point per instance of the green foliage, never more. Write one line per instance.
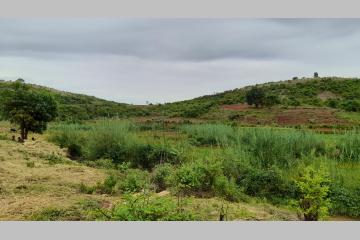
(149, 208)
(196, 177)
(161, 175)
(228, 189)
(344, 201)
(313, 187)
(282, 148)
(351, 105)
(30, 110)
(147, 156)
(70, 136)
(349, 147)
(209, 134)
(271, 100)
(108, 186)
(268, 183)
(255, 96)
(135, 180)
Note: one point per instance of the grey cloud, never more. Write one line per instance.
(135, 60)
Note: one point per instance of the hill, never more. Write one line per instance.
(334, 92)
(327, 101)
(74, 106)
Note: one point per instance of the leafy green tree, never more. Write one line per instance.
(255, 96)
(313, 188)
(271, 100)
(30, 110)
(316, 75)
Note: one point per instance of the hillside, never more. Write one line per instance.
(334, 92)
(74, 106)
(324, 102)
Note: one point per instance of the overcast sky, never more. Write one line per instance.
(165, 60)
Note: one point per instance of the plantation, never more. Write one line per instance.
(211, 158)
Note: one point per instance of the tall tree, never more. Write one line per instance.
(29, 109)
(255, 96)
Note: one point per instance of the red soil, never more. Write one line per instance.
(300, 116)
(239, 107)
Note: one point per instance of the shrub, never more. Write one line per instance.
(160, 176)
(344, 201)
(196, 177)
(265, 183)
(135, 180)
(351, 105)
(147, 208)
(70, 136)
(313, 186)
(108, 186)
(86, 189)
(228, 189)
(147, 156)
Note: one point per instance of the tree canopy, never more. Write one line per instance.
(255, 96)
(30, 110)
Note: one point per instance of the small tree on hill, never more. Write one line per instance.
(255, 96)
(30, 110)
(316, 75)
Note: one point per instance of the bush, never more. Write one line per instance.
(196, 177)
(70, 136)
(160, 176)
(135, 180)
(108, 186)
(344, 201)
(351, 105)
(147, 208)
(266, 183)
(313, 186)
(228, 189)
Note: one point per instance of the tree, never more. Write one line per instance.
(30, 110)
(255, 96)
(313, 188)
(271, 100)
(316, 75)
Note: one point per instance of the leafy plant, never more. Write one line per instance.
(313, 187)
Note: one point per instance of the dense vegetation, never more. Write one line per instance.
(219, 160)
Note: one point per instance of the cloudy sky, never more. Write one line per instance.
(164, 60)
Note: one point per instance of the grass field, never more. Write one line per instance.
(196, 171)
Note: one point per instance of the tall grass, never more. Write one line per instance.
(349, 147)
(267, 146)
(209, 134)
(283, 148)
(115, 140)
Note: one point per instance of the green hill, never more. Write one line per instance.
(341, 94)
(334, 92)
(74, 106)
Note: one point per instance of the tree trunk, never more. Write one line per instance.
(26, 133)
(22, 132)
